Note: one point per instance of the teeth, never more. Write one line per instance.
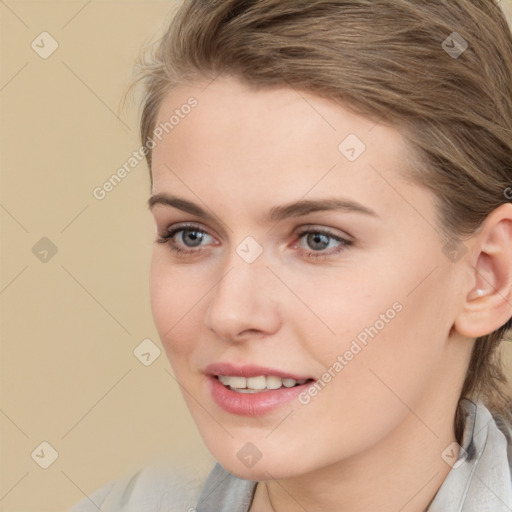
(237, 382)
(289, 383)
(259, 383)
(274, 382)
(224, 379)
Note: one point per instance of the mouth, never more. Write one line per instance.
(259, 383)
(253, 390)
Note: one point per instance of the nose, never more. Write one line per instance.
(244, 303)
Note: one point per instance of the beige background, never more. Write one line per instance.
(70, 325)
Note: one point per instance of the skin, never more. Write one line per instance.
(373, 437)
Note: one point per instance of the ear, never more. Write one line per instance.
(488, 301)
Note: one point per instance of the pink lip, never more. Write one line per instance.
(248, 371)
(251, 404)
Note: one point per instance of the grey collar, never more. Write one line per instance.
(480, 480)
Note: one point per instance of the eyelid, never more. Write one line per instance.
(186, 226)
(300, 231)
(342, 243)
(167, 217)
(343, 240)
(331, 232)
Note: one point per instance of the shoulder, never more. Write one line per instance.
(480, 479)
(155, 487)
(506, 430)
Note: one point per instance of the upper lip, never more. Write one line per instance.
(249, 370)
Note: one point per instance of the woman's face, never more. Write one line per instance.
(298, 254)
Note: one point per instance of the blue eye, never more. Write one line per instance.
(187, 237)
(313, 243)
(320, 243)
(191, 237)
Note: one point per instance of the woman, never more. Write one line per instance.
(332, 277)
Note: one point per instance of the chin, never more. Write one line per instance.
(266, 468)
(259, 472)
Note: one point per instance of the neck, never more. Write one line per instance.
(402, 471)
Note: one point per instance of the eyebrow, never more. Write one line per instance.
(276, 214)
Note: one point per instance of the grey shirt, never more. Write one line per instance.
(479, 481)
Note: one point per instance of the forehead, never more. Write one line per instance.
(230, 107)
(277, 142)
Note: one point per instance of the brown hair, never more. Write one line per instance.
(396, 61)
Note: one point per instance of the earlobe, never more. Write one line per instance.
(488, 303)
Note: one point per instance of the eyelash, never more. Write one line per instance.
(168, 237)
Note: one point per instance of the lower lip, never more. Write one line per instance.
(252, 404)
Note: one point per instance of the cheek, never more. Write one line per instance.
(379, 320)
(338, 306)
(175, 302)
(393, 351)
